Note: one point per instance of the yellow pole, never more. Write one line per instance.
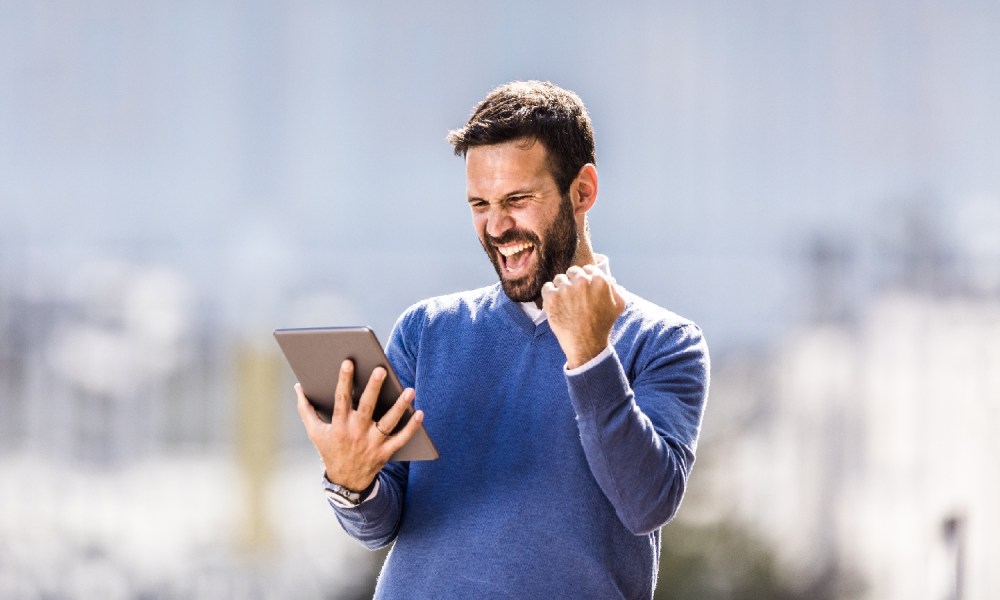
(257, 429)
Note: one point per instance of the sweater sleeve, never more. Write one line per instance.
(375, 523)
(640, 437)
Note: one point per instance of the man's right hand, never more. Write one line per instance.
(354, 447)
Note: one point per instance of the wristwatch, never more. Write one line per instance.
(344, 497)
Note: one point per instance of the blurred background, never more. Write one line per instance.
(817, 184)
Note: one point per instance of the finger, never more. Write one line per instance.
(585, 273)
(306, 410)
(560, 280)
(399, 440)
(599, 279)
(391, 418)
(595, 274)
(550, 296)
(343, 396)
(369, 397)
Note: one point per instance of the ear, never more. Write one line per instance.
(583, 190)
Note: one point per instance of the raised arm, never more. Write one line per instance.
(639, 437)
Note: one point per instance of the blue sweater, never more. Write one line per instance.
(549, 485)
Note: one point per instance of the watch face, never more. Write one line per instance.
(342, 497)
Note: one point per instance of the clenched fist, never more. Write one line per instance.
(582, 306)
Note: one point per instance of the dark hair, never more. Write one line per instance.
(536, 110)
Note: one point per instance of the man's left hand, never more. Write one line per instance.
(582, 306)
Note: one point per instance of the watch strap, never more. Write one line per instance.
(346, 498)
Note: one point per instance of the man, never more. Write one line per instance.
(566, 409)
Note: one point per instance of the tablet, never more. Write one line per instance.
(315, 355)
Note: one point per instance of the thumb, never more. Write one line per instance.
(617, 297)
(307, 412)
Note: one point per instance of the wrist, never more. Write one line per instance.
(601, 356)
(352, 480)
(578, 357)
(353, 486)
(346, 497)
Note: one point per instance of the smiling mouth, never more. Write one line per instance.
(515, 257)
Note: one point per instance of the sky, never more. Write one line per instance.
(276, 153)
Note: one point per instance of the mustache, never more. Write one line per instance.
(514, 235)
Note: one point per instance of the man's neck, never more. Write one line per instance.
(584, 254)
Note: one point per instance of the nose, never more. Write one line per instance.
(498, 222)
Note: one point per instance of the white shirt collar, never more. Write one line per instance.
(537, 315)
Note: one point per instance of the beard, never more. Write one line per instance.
(555, 251)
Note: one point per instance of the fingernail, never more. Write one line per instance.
(345, 366)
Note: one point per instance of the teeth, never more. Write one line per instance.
(512, 250)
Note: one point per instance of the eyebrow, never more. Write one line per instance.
(507, 196)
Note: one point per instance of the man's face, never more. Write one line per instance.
(528, 230)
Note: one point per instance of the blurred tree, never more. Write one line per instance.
(722, 562)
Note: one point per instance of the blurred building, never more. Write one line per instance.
(863, 446)
(146, 455)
